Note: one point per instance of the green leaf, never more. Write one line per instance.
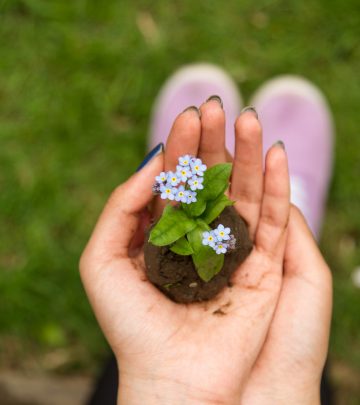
(182, 247)
(207, 263)
(173, 224)
(215, 208)
(195, 235)
(216, 181)
(195, 209)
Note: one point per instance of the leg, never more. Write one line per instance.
(192, 85)
(295, 111)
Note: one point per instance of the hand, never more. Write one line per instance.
(174, 353)
(290, 365)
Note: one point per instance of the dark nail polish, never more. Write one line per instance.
(154, 152)
(216, 98)
(280, 144)
(251, 109)
(193, 108)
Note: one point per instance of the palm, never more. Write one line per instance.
(156, 331)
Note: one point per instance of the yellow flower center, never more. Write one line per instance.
(196, 167)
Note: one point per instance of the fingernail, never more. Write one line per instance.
(214, 97)
(251, 109)
(280, 144)
(193, 108)
(154, 152)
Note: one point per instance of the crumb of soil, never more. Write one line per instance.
(176, 276)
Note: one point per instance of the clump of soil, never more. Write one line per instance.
(176, 276)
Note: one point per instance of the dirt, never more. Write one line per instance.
(176, 276)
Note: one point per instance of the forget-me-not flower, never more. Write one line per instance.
(191, 196)
(222, 233)
(173, 179)
(185, 160)
(232, 242)
(220, 248)
(161, 178)
(195, 183)
(167, 192)
(209, 239)
(181, 194)
(197, 167)
(156, 188)
(183, 172)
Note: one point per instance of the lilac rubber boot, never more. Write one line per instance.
(192, 85)
(293, 110)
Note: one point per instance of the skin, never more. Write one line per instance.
(268, 343)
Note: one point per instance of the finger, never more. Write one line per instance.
(229, 157)
(306, 295)
(212, 142)
(301, 244)
(184, 137)
(275, 207)
(121, 216)
(247, 173)
(307, 281)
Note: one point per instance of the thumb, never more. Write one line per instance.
(121, 216)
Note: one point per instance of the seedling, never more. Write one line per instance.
(185, 227)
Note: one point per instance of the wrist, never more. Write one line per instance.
(284, 396)
(159, 391)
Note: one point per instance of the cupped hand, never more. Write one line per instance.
(174, 353)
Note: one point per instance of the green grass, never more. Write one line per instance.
(77, 82)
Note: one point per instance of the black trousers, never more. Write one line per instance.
(105, 389)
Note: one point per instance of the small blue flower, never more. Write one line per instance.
(161, 178)
(183, 172)
(221, 248)
(173, 179)
(185, 160)
(197, 167)
(168, 192)
(232, 242)
(191, 196)
(209, 239)
(195, 183)
(222, 233)
(181, 194)
(156, 188)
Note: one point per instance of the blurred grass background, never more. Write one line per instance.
(77, 82)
